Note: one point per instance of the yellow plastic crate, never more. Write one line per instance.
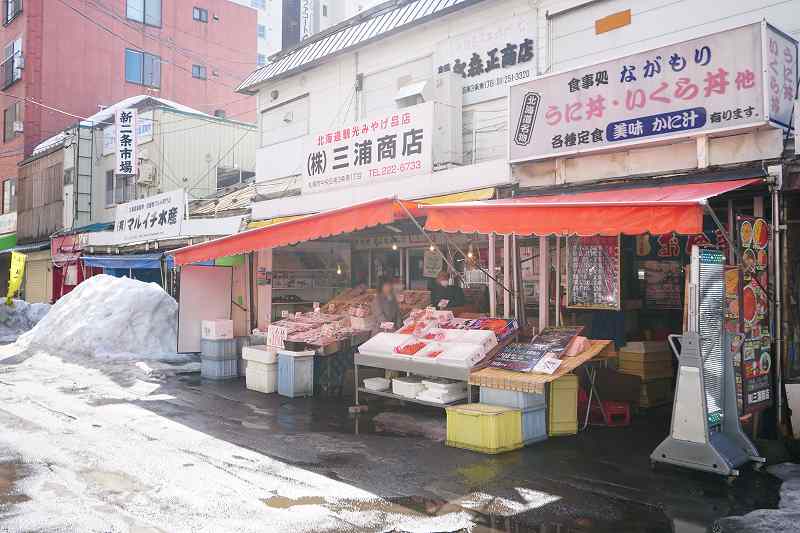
(562, 406)
(484, 428)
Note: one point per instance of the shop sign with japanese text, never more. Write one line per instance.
(393, 145)
(491, 58)
(144, 132)
(740, 78)
(152, 218)
(127, 160)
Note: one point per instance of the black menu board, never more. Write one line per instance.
(593, 272)
(521, 357)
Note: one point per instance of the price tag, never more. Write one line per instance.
(387, 326)
(298, 314)
(276, 335)
(443, 303)
(331, 308)
(284, 314)
(547, 365)
(401, 297)
(316, 307)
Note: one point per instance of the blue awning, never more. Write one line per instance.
(144, 261)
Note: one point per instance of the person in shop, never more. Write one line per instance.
(444, 293)
(385, 307)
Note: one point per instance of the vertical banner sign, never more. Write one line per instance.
(754, 238)
(393, 145)
(16, 273)
(307, 16)
(127, 159)
(593, 273)
(736, 79)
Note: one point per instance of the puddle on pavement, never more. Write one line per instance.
(9, 474)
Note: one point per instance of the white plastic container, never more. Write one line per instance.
(444, 386)
(260, 354)
(433, 396)
(261, 377)
(216, 329)
(410, 387)
(461, 355)
(377, 384)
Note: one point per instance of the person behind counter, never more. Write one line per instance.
(385, 307)
(442, 290)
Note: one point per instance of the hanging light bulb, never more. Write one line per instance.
(432, 248)
(394, 246)
(338, 270)
(470, 255)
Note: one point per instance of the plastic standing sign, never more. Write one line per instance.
(276, 335)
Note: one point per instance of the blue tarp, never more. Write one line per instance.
(134, 261)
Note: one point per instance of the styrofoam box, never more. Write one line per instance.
(377, 384)
(487, 339)
(534, 425)
(219, 369)
(409, 387)
(216, 329)
(509, 398)
(444, 386)
(262, 377)
(260, 354)
(383, 344)
(433, 396)
(461, 355)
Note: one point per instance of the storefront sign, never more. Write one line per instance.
(127, 159)
(713, 83)
(152, 218)
(8, 223)
(393, 145)
(431, 264)
(144, 132)
(490, 58)
(593, 272)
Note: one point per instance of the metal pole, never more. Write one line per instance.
(544, 284)
(492, 286)
(558, 280)
(776, 255)
(515, 262)
(506, 274)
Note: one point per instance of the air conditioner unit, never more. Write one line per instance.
(18, 126)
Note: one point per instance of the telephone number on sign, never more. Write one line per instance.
(396, 168)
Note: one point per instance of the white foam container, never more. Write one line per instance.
(444, 386)
(377, 384)
(443, 398)
(260, 354)
(486, 339)
(261, 377)
(409, 387)
(216, 329)
(383, 344)
(461, 355)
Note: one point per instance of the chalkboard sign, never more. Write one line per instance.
(593, 273)
(663, 284)
(521, 357)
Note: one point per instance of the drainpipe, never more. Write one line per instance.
(776, 173)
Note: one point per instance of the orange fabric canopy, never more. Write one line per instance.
(631, 211)
(306, 228)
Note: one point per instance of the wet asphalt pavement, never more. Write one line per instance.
(598, 481)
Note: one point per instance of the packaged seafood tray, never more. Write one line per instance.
(418, 328)
(461, 355)
(410, 347)
(293, 326)
(487, 339)
(383, 344)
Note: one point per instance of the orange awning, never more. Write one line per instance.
(306, 228)
(631, 211)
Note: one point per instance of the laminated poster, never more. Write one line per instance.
(593, 273)
(551, 342)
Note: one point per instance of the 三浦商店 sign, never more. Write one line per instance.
(127, 160)
(152, 218)
(393, 145)
(739, 78)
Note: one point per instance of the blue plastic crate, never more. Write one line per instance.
(508, 398)
(534, 425)
(295, 374)
(218, 349)
(219, 369)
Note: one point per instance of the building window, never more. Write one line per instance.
(199, 72)
(142, 68)
(119, 189)
(68, 176)
(258, 4)
(324, 10)
(11, 67)
(262, 31)
(144, 11)
(9, 196)
(200, 14)
(12, 117)
(261, 59)
(11, 9)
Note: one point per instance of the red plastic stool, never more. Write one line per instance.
(617, 414)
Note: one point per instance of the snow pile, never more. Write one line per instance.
(783, 519)
(106, 315)
(19, 318)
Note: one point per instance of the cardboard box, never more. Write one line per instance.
(216, 329)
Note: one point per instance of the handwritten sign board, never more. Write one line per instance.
(663, 284)
(431, 264)
(551, 342)
(276, 335)
(593, 273)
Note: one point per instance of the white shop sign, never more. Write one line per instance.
(127, 157)
(8, 223)
(490, 58)
(734, 79)
(393, 145)
(144, 132)
(149, 219)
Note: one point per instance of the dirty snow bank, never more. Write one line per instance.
(19, 318)
(104, 316)
(783, 519)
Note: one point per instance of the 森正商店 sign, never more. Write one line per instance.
(127, 159)
(393, 145)
(149, 219)
(739, 78)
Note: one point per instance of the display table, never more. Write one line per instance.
(422, 368)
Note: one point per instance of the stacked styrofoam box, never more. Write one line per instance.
(218, 359)
(442, 391)
(409, 386)
(216, 329)
(261, 373)
(533, 407)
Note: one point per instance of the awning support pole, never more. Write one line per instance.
(544, 284)
(492, 281)
(507, 275)
(558, 281)
(724, 232)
